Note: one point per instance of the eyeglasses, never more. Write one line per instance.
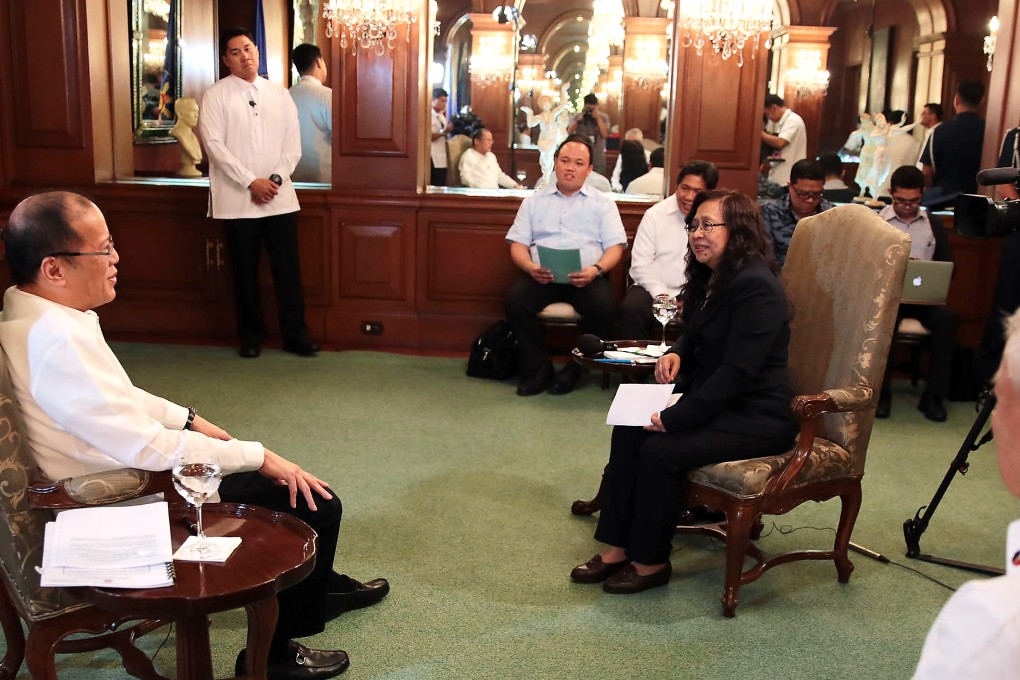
(704, 225)
(807, 195)
(906, 202)
(106, 253)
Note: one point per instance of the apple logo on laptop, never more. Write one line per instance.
(916, 282)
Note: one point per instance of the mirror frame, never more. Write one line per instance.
(149, 131)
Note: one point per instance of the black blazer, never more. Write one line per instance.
(733, 360)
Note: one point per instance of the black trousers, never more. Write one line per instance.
(941, 322)
(437, 177)
(595, 303)
(301, 611)
(245, 239)
(643, 482)
(635, 314)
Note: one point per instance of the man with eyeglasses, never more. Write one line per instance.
(928, 241)
(807, 182)
(83, 414)
(657, 258)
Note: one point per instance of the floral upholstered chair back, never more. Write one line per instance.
(843, 277)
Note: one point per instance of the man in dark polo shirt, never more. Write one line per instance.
(953, 158)
(781, 216)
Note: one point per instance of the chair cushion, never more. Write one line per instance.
(748, 478)
(910, 326)
(559, 312)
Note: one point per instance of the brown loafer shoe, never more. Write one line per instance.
(595, 570)
(627, 581)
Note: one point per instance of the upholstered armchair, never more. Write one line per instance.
(843, 277)
(52, 614)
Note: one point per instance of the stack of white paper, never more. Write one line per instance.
(112, 547)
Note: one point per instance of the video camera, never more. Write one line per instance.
(978, 216)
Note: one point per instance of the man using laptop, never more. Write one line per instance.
(928, 241)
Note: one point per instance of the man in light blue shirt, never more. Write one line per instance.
(567, 215)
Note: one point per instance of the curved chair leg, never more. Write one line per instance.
(42, 641)
(15, 637)
(584, 508)
(739, 521)
(851, 505)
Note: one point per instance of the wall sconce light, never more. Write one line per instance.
(807, 78)
(989, 43)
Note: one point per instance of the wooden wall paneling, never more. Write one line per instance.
(52, 110)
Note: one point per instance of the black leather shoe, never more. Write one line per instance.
(627, 581)
(302, 349)
(595, 570)
(352, 594)
(566, 379)
(535, 383)
(249, 351)
(884, 406)
(302, 663)
(932, 408)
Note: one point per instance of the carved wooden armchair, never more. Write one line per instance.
(52, 614)
(843, 277)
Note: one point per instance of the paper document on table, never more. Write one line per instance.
(111, 537)
(634, 404)
(148, 576)
(562, 263)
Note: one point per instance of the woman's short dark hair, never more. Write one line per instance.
(577, 139)
(40, 226)
(632, 162)
(747, 241)
(232, 33)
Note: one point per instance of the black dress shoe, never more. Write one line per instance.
(595, 570)
(566, 379)
(301, 663)
(932, 408)
(249, 350)
(627, 581)
(346, 594)
(302, 349)
(535, 383)
(884, 406)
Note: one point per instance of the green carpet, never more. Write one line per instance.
(458, 491)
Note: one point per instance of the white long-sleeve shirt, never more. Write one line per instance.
(482, 171)
(660, 244)
(314, 102)
(250, 131)
(81, 411)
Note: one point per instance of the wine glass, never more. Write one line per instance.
(664, 308)
(521, 176)
(197, 476)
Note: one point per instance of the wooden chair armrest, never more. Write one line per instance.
(808, 408)
(100, 488)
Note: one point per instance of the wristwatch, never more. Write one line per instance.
(276, 179)
(602, 272)
(192, 414)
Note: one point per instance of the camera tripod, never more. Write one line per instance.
(913, 528)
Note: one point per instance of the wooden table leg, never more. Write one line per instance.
(194, 660)
(261, 624)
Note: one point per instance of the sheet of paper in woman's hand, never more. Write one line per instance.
(634, 404)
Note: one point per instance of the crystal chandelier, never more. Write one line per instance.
(647, 68)
(988, 46)
(492, 61)
(157, 8)
(368, 24)
(808, 78)
(725, 26)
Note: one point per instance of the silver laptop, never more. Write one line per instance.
(926, 282)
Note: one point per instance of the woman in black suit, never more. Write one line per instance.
(731, 362)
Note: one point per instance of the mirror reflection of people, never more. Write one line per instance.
(636, 135)
(730, 365)
(633, 163)
(314, 102)
(184, 132)
(439, 130)
(551, 133)
(593, 124)
(786, 135)
(478, 166)
(976, 633)
(250, 129)
(653, 181)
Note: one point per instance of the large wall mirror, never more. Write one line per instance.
(155, 68)
(522, 71)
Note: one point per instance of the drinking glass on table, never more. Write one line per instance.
(521, 176)
(197, 477)
(664, 308)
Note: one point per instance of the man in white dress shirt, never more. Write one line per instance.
(977, 633)
(930, 118)
(786, 134)
(314, 102)
(250, 129)
(479, 168)
(439, 130)
(657, 263)
(82, 414)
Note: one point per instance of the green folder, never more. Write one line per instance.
(562, 263)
